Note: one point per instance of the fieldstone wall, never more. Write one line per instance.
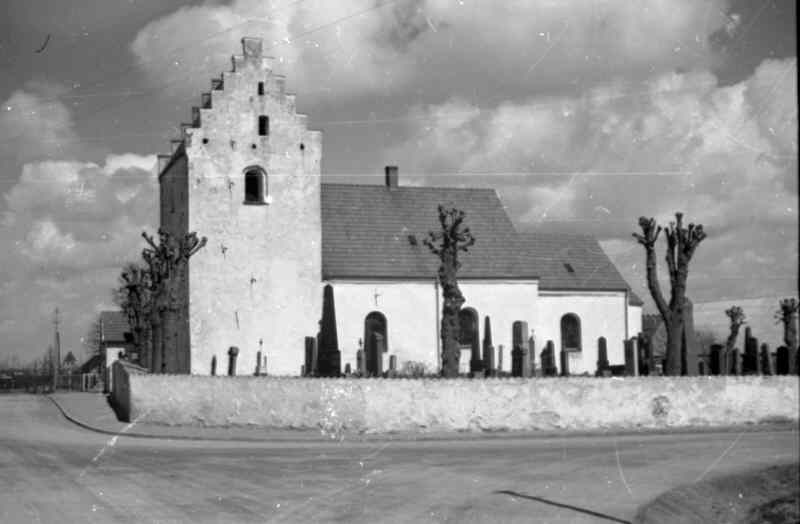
(419, 406)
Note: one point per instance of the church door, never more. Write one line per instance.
(375, 322)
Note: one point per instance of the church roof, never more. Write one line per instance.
(371, 231)
(374, 231)
(568, 261)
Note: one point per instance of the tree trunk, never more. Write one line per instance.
(453, 300)
(730, 342)
(157, 345)
(673, 361)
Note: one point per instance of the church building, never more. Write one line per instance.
(246, 175)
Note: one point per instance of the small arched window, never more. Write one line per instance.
(263, 125)
(255, 185)
(261, 89)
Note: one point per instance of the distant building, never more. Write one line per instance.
(246, 174)
(115, 339)
(69, 362)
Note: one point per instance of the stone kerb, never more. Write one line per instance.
(434, 405)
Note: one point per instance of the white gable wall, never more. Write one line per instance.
(634, 320)
(602, 314)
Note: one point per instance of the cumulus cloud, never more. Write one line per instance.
(69, 225)
(726, 156)
(61, 212)
(349, 47)
(33, 125)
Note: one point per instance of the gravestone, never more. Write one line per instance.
(564, 363)
(715, 359)
(602, 357)
(233, 352)
(782, 365)
(488, 349)
(549, 368)
(766, 361)
(311, 352)
(641, 351)
(532, 356)
(630, 354)
(750, 360)
(500, 358)
(520, 357)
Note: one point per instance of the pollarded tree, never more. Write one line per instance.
(736, 316)
(167, 262)
(134, 299)
(446, 243)
(681, 245)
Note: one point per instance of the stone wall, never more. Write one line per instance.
(121, 372)
(419, 406)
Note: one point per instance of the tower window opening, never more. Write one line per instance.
(261, 89)
(263, 125)
(255, 186)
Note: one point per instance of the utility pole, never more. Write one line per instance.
(56, 350)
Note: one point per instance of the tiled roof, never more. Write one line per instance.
(114, 325)
(367, 232)
(572, 262)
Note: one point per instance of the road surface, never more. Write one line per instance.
(53, 471)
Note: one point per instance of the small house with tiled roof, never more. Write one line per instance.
(246, 174)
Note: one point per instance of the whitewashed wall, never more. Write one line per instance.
(602, 314)
(505, 301)
(410, 308)
(413, 314)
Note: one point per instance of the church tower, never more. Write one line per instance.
(246, 175)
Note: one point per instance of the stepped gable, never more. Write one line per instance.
(211, 118)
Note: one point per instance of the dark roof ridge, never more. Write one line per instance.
(342, 184)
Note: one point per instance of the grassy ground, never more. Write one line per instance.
(765, 496)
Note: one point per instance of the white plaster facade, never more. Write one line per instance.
(256, 284)
(412, 310)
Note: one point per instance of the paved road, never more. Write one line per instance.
(53, 471)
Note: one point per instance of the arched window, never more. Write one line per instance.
(375, 324)
(468, 327)
(571, 332)
(263, 125)
(255, 185)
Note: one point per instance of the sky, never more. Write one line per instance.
(584, 115)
